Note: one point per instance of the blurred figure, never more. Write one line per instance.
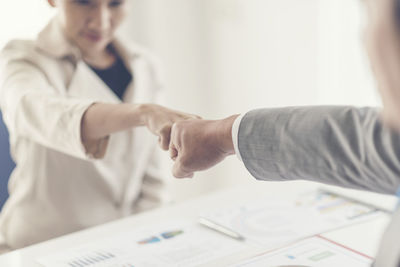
(343, 146)
(73, 101)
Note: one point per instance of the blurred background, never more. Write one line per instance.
(223, 57)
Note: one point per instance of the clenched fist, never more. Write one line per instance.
(197, 145)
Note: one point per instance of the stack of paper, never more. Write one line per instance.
(266, 223)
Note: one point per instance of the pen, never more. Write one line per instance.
(220, 228)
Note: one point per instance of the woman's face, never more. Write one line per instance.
(91, 24)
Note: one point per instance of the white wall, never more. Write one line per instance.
(22, 18)
(344, 74)
(229, 56)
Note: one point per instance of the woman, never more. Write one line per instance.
(67, 99)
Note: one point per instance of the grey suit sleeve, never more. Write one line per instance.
(335, 145)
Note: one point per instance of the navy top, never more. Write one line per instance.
(117, 77)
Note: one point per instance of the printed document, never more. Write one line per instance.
(271, 223)
(312, 252)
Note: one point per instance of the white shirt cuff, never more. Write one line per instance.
(235, 135)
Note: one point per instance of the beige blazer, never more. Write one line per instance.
(56, 188)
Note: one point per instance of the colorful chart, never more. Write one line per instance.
(164, 235)
(150, 240)
(172, 234)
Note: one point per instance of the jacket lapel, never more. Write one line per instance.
(86, 84)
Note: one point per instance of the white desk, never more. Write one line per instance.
(363, 237)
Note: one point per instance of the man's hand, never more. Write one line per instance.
(200, 144)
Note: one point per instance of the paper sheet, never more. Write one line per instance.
(180, 243)
(311, 252)
(271, 223)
